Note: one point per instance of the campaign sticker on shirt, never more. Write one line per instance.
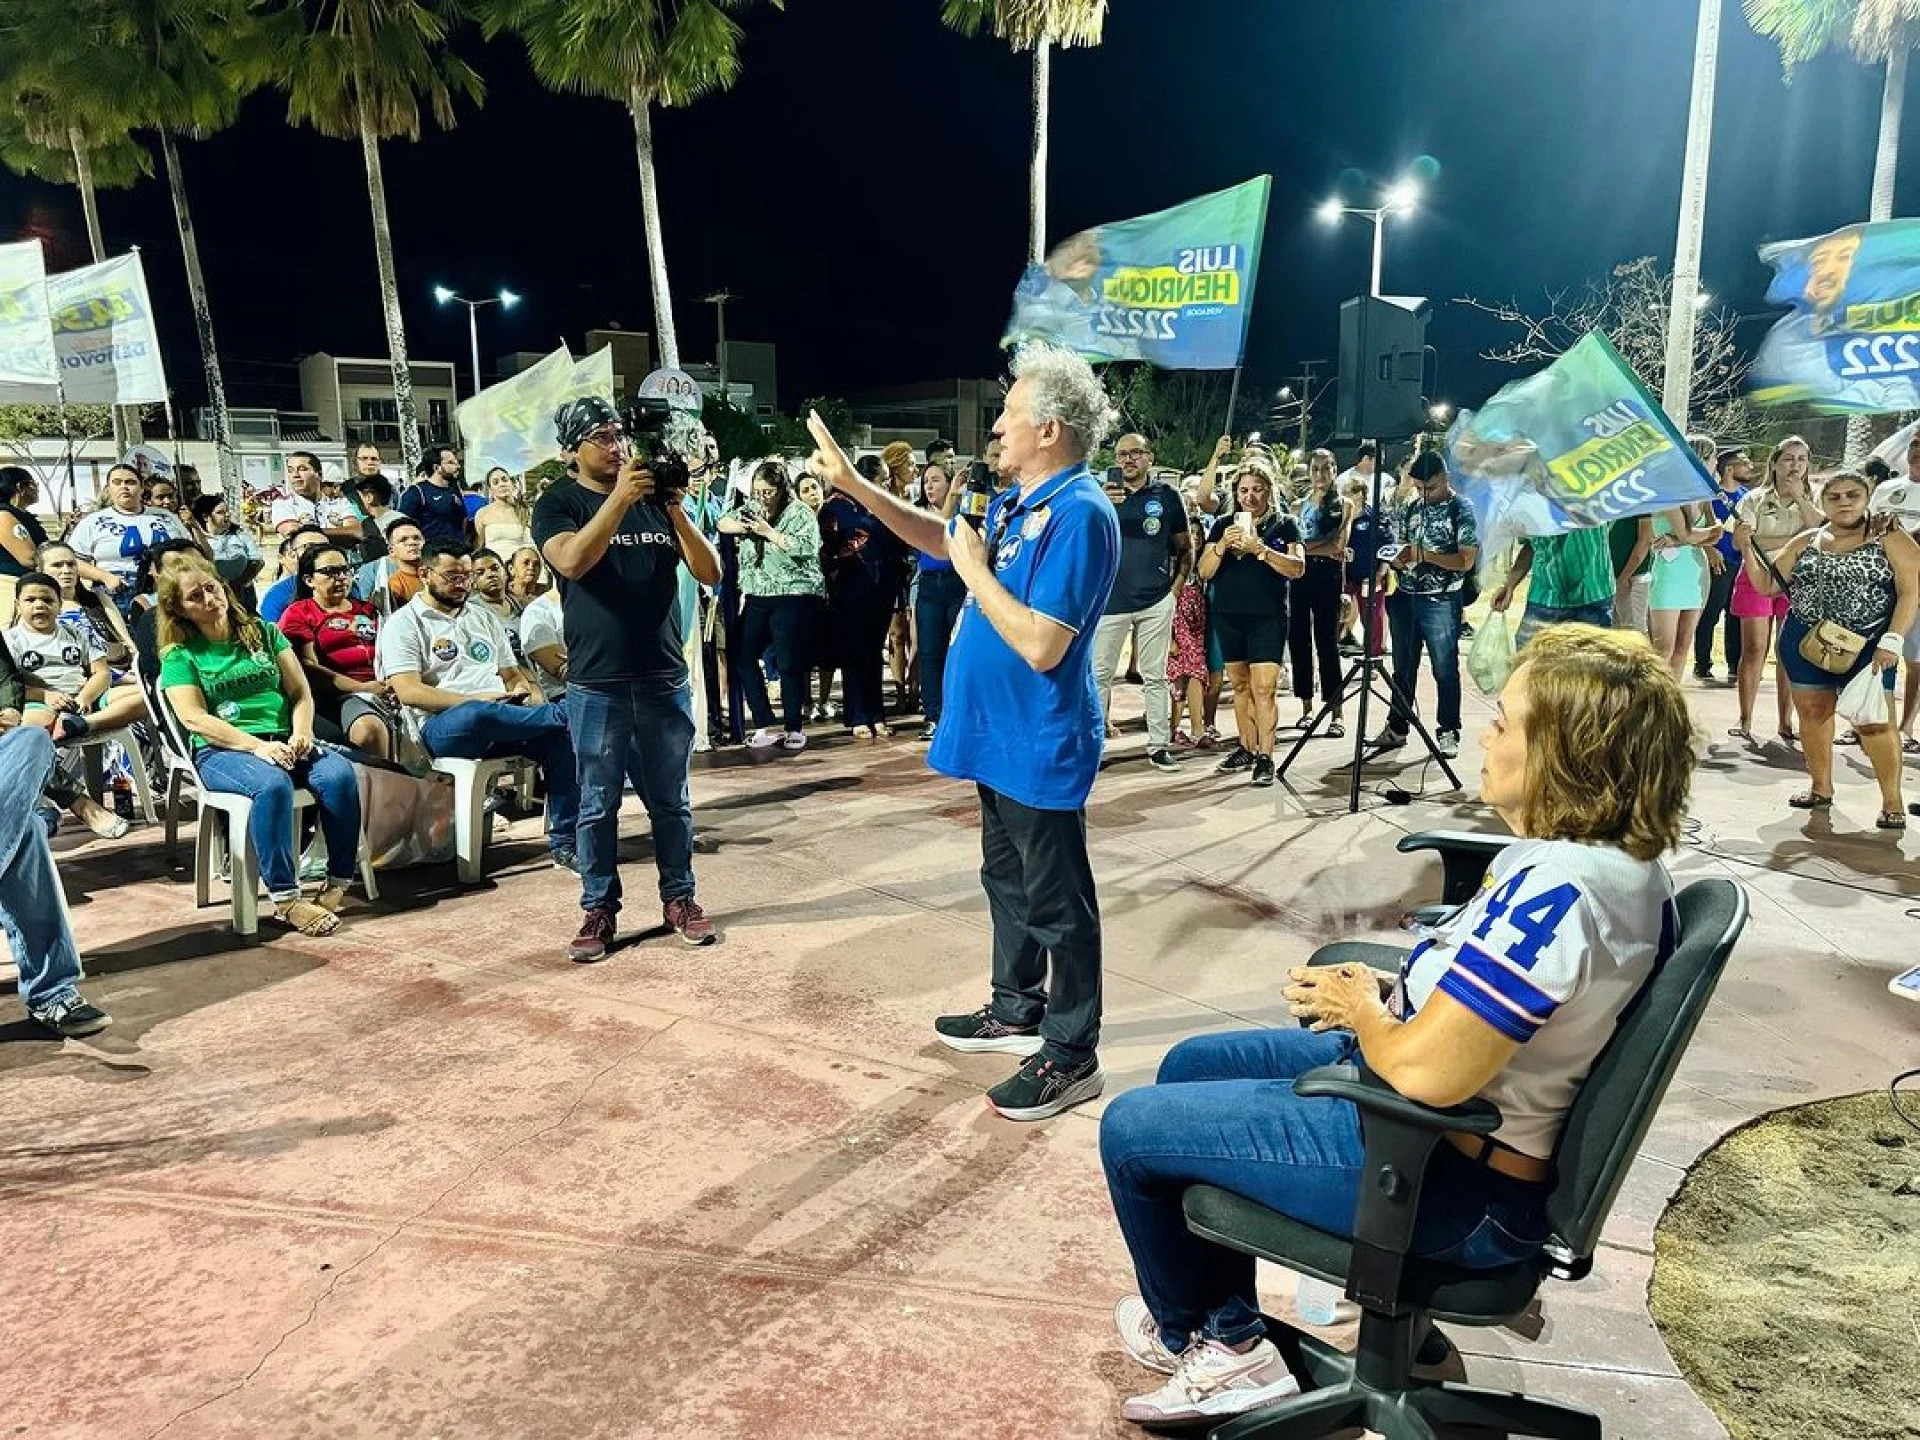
(1031, 527)
(336, 622)
(1150, 526)
(363, 626)
(228, 709)
(480, 652)
(445, 651)
(1154, 511)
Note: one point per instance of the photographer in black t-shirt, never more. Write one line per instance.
(616, 542)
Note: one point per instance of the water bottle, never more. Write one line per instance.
(123, 795)
(1315, 1301)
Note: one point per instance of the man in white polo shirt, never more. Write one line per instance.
(451, 666)
(308, 505)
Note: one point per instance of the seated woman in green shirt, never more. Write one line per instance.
(781, 577)
(239, 690)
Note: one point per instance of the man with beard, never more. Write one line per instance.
(616, 540)
(436, 501)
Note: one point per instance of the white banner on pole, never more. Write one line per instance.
(27, 354)
(511, 424)
(103, 328)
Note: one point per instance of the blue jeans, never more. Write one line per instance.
(1222, 1112)
(336, 794)
(1539, 617)
(1431, 622)
(936, 610)
(493, 730)
(641, 732)
(30, 908)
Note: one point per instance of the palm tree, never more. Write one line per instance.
(156, 60)
(1877, 32)
(1677, 398)
(1036, 25)
(55, 130)
(360, 70)
(641, 53)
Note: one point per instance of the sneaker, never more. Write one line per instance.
(980, 1032)
(1262, 771)
(927, 731)
(1140, 1333)
(1388, 740)
(565, 860)
(1163, 759)
(597, 929)
(1448, 743)
(1466, 630)
(702, 744)
(793, 740)
(1240, 759)
(686, 917)
(71, 1017)
(1043, 1087)
(1705, 677)
(1211, 1382)
(763, 739)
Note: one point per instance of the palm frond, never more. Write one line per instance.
(665, 52)
(1803, 29)
(1023, 24)
(1881, 25)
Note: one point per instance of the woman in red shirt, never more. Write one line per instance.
(334, 636)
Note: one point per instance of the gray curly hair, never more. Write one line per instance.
(1063, 387)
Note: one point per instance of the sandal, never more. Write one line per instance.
(69, 725)
(1890, 820)
(1808, 800)
(1788, 737)
(1852, 737)
(1909, 745)
(101, 821)
(1335, 731)
(1740, 732)
(307, 917)
(332, 899)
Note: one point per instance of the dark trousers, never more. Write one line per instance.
(1719, 595)
(860, 616)
(1430, 623)
(710, 666)
(943, 594)
(1039, 886)
(1313, 623)
(786, 622)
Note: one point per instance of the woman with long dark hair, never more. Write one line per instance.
(780, 577)
(335, 637)
(938, 597)
(1325, 519)
(862, 563)
(1780, 507)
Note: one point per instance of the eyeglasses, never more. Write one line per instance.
(335, 571)
(461, 576)
(1132, 454)
(605, 436)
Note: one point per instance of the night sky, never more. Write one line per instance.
(863, 188)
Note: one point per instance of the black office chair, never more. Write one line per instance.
(1399, 1294)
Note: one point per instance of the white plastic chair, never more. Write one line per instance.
(472, 783)
(92, 749)
(222, 816)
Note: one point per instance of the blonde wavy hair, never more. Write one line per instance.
(171, 628)
(1610, 745)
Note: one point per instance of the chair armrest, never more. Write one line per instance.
(1464, 858)
(1375, 1096)
(1400, 1135)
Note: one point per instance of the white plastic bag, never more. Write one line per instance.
(1490, 660)
(1866, 700)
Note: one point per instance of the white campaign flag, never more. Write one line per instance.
(511, 424)
(27, 354)
(103, 328)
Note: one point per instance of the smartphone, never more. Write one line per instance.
(1244, 520)
(1906, 985)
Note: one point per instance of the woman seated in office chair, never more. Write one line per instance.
(1589, 760)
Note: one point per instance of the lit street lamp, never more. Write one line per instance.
(506, 300)
(1441, 411)
(1401, 198)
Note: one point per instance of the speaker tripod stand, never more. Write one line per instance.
(1367, 676)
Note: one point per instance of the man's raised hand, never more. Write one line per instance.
(829, 462)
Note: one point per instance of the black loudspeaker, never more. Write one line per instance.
(1383, 366)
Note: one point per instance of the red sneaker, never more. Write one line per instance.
(686, 916)
(597, 929)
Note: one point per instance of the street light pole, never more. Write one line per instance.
(1400, 199)
(1379, 248)
(506, 300)
(473, 340)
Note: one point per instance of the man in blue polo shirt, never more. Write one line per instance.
(1022, 718)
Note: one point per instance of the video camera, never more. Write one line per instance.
(648, 422)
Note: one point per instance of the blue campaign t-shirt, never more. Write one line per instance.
(1724, 504)
(1035, 738)
(439, 510)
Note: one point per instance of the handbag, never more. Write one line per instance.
(1829, 645)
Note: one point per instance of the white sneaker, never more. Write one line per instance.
(1140, 1333)
(1212, 1382)
(1448, 744)
(793, 740)
(763, 739)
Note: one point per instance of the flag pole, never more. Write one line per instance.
(1233, 399)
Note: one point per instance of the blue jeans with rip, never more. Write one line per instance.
(493, 730)
(1222, 1112)
(328, 777)
(641, 731)
(30, 908)
(1432, 623)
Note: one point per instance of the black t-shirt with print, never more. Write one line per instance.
(622, 617)
(28, 525)
(1152, 520)
(1246, 584)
